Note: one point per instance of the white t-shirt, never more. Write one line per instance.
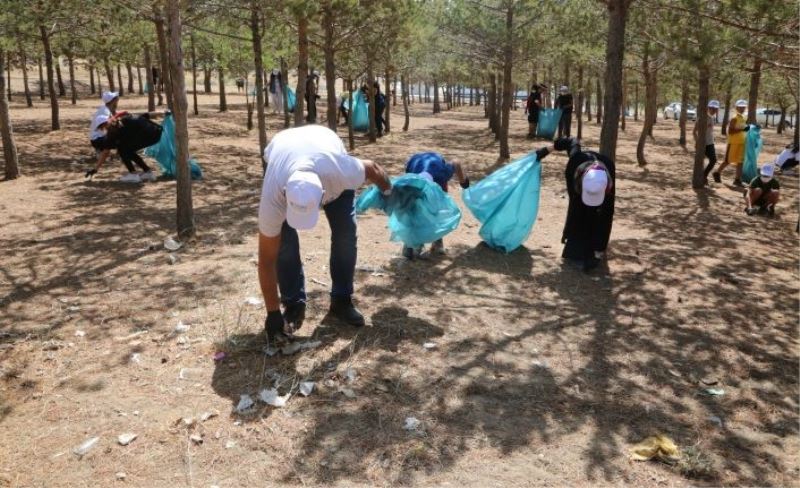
(784, 156)
(94, 132)
(311, 148)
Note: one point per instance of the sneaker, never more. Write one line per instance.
(343, 309)
(294, 315)
(751, 211)
(130, 178)
(771, 210)
(717, 177)
(148, 176)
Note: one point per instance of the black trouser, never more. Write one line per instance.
(565, 124)
(711, 154)
(379, 118)
(129, 156)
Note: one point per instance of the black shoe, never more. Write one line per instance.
(771, 210)
(295, 315)
(717, 178)
(344, 310)
(408, 253)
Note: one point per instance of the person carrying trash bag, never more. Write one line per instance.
(590, 180)
(308, 169)
(435, 167)
(128, 134)
(734, 153)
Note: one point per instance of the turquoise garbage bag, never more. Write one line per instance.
(360, 112)
(165, 152)
(419, 210)
(506, 203)
(752, 148)
(291, 99)
(548, 122)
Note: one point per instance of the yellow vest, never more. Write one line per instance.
(739, 123)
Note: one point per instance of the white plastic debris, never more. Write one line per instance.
(207, 415)
(196, 438)
(182, 341)
(80, 333)
(254, 301)
(295, 347)
(188, 373)
(181, 327)
(171, 244)
(411, 424)
(245, 403)
(73, 308)
(306, 387)
(136, 358)
(230, 445)
(319, 282)
(172, 259)
(187, 421)
(270, 397)
(347, 392)
(540, 364)
(121, 476)
(350, 374)
(125, 439)
(429, 345)
(87, 446)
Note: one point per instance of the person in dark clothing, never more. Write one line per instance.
(380, 106)
(239, 84)
(276, 90)
(590, 180)
(532, 107)
(564, 102)
(128, 134)
(311, 97)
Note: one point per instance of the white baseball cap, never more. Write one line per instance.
(109, 96)
(713, 104)
(741, 103)
(767, 170)
(303, 198)
(563, 89)
(595, 182)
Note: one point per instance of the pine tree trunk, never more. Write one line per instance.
(436, 106)
(185, 213)
(684, 111)
(129, 70)
(599, 99)
(302, 70)
(588, 98)
(508, 61)
(624, 103)
(99, 77)
(330, 64)
(636, 102)
(139, 79)
(48, 60)
(258, 64)
(698, 178)
(223, 97)
(109, 76)
(206, 79)
(148, 73)
(650, 77)
(351, 140)
(194, 77)
(163, 53)
(285, 83)
(119, 79)
(782, 120)
(11, 170)
(405, 97)
(62, 90)
(388, 109)
(41, 78)
(8, 70)
(615, 53)
(492, 102)
(394, 91)
(752, 101)
(72, 90)
(92, 89)
(24, 66)
(726, 116)
(371, 97)
(579, 106)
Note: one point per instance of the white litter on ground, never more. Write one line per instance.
(411, 424)
(254, 301)
(270, 397)
(87, 446)
(245, 403)
(306, 387)
(171, 244)
(125, 439)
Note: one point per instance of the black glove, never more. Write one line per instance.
(465, 184)
(542, 153)
(294, 315)
(746, 128)
(563, 143)
(274, 325)
(90, 173)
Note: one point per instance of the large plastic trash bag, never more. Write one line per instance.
(360, 112)
(165, 152)
(506, 203)
(419, 211)
(752, 148)
(291, 99)
(548, 122)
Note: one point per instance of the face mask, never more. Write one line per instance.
(765, 179)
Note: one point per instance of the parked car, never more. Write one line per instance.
(772, 116)
(673, 111)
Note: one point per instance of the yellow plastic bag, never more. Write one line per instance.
(658, 447)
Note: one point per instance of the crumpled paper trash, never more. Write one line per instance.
(658, 447)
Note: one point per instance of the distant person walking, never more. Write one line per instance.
(276, 91)
(734, 154)
(564, 102)
(532, 107)
(711, 151)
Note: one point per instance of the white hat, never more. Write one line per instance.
(768, 170)
(595, 182)
(713, 104)
(303, 199)
(563, 89)
(741, 103)
(109, 96)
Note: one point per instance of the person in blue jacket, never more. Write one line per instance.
(433, 165)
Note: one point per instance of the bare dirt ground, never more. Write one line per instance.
(541, 375)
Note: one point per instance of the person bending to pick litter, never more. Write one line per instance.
(128, 134)
(763, 192)
(590, 186)
(308, 168)
(101, 116)
(736, 144)
(441, 172)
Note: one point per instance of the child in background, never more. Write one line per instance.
(433, 165)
